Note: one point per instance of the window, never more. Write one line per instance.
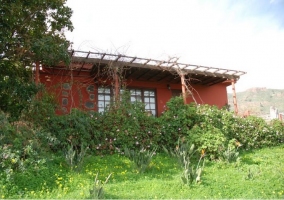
(148, 97)
(104, 97)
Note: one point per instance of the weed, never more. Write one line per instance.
(231, 154)
(98, 189)
(74, 157)
(141, 159)
(184, 152)
(252, 173)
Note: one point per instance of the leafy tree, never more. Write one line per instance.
(16, 88)
(30, 31)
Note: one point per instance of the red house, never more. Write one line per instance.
(93, 80)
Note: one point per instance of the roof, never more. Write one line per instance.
(146, 69)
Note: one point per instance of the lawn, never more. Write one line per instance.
(259, 174)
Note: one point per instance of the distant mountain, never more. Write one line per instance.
(258, 101)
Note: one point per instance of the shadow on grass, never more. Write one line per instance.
(249, 161)
(248, 157)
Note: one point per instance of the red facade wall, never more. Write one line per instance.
(74, 88)
(82, 92)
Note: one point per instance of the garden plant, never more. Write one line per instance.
(210, 153)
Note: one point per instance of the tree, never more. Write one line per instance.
(30, 31)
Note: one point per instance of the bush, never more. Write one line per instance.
(20, 147)
(209, 138)
(127, 124)
(41, 108)
(176, 120)
(278, 131)
(253, 132)
(76, 129)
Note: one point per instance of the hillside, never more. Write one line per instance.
(258, 101)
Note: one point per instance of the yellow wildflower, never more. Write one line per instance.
(238, 144)
(202, 153)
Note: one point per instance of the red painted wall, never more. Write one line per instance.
(78, 95)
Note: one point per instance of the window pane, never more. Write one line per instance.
(135, 92)
(132, 99)
(138, 98)
(101, 109)
(150, 101)
(132, 91)
(104, 98)
(146, 93)
(146, 99)
(101, 97)
(104, 90)
(107, 90)
(147, 106)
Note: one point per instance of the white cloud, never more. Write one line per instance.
(220, 34)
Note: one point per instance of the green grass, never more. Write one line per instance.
(260, 174)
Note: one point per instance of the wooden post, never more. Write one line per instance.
(37, 73)
(234, 97)
(116, 86)
(183, 88)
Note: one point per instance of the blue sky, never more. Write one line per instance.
(245, 35)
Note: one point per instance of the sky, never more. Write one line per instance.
(246, 35)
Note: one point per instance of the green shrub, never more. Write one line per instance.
(175, 121)
(209, 138)
(254, 132)
(127, 124)
(77, 128)
(218, 118)
(22, 147)
(41, 108)
(278, 131)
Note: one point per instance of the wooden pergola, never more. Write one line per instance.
(145, 69)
